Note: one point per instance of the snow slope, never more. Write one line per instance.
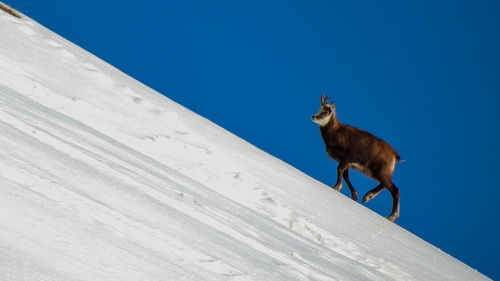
(102, 178)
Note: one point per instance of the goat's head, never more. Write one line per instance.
(325, 111)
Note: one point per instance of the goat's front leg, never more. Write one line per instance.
(340, 170)
(354, 193)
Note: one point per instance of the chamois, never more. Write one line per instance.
(355, 148)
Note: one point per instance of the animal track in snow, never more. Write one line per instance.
(139, 100)
(67, 54)
(90, 66)
(242, 177)
(180, 142)
(190, 198)
(309, 230)
(99, 76)
(26, 29)
(218, 267)
(62, 51)
(93, 71)
(53, 44)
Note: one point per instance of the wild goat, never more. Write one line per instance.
(355, 148)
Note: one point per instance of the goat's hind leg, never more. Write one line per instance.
(372, 193)
(354, 193)
(395, 201)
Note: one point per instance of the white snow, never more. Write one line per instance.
(102, 178)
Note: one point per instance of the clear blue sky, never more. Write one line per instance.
(423, 75)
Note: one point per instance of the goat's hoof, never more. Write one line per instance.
(354, 197)
(393, 217)
(337, 187)
(366, 198)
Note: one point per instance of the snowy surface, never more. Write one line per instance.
(103, 178)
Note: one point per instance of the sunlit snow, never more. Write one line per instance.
(102, 178)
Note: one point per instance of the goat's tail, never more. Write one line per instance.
(398, 158)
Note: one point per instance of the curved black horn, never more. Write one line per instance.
(323, 99)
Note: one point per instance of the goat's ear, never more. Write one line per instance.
(332, 106)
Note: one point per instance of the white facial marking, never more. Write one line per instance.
(323, 121)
